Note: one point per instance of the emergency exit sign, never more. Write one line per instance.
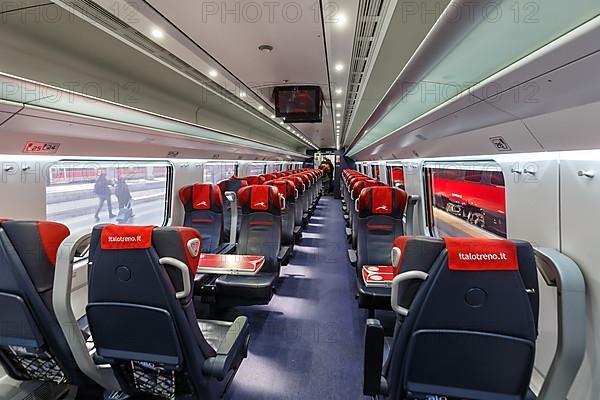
(41, 148)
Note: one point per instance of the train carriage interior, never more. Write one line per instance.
(298, 200)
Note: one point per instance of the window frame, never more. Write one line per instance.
(484, 165)
(169, 180)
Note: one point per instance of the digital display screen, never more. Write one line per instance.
(298, 103)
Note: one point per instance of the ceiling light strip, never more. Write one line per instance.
(373, 16)
(99, 17)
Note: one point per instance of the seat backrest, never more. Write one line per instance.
(140, 314)
(32, 344)
(348, 193)
(307, 198)
(476, 308)
(255, 180)
(380, 221)
(288, 214)
(299, 204)
(203, 204)
(260, 233)
(233, 184)
(357, 187)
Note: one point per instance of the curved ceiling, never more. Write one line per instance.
(458, 53)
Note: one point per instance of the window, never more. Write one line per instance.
(496, 178)
(473, 176)
(375, 171)
(396, 176)
(257, 169)
(81, 194)
(468, 201)
(215, 172)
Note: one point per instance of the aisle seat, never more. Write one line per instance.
(288, 215)
(233, 184)
(255, 180)
(348, 196)
(473, 300)
(306, 198)
(32, 344)
(299, 205)
(356, 190)
(203, 204)
(380, 221)
(260, 235)
(142, 317)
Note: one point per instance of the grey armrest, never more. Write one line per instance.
(284, 253)
(234, 346)
(353, 257)
(561, 272)
(373, 361)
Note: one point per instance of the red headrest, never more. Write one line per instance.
(286, 188)
(298, 183)
(201, 196)
(360, 185)
(382, 200)
(268, 177)
(30, 237)
(352, 181)
(129, 237)
(260, 198)
(473, 254)
(305, 179)
(255, 180)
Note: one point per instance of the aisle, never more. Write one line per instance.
(308, 342)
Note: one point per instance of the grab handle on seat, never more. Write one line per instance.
(185, 275)
(413, 200)
(561, 272)
(373, 359)
(72, 247)
(398, 279)
(232, 198)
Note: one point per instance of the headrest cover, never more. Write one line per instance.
(286, 188)
(178, 242)
(201, 196)
(126, 237)
(382, 200)
(415, 253)
(29, 236)
(255, 180)
(298, 183)
(260, 198)
(361, 184)
(472, 254)
(352, 181)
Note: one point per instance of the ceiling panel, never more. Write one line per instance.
(231, 32)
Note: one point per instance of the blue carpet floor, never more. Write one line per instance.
(308, 342)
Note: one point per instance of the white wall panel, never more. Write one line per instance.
(580, 197)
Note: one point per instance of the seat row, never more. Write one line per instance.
(374, 214)
(466, 310)
(251, 216)
(141, 280)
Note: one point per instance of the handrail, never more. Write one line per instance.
(561, 272)
(61, 301)
(232, 198)
(411, 204)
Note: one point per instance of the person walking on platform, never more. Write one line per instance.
(124, 198)
(102, 190)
